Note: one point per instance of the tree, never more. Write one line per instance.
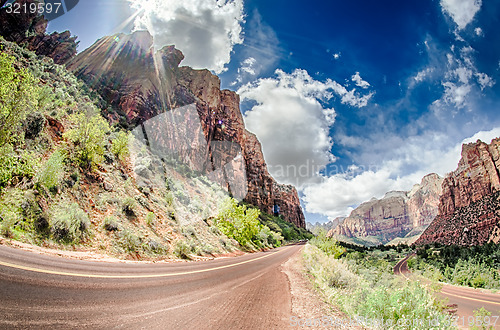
(18, 89)
(87, 138)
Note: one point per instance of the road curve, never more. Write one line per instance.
(466, 299)
(246, 292)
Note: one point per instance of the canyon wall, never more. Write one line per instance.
(469, 210)
(396, 215)
(140, 84)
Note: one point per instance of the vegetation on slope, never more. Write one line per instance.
(69, 179)
(475, 266)
(361, 282)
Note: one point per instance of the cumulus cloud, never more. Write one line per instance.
(291, 120)
(291, 124)
(461, 11)
(204, 30)
(339, 193)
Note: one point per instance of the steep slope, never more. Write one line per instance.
(469, 210)
(398, 214)
(140, 84)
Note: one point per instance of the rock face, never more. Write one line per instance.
(140, 84)
(326, 227)
(28, 29)
(397, 214)
(469, 210)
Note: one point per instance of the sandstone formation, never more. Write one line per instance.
(140, 84)
(397, 214)
(28, 29)
(469, 210)
(326, 227)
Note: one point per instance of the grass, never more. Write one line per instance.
(366, 288)
(69, 223)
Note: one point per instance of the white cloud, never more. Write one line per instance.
(337, 56)
(248, 66)
(359, 81)
(479, 32)
(339, 193)
(204, 30)
(484, 80)
(291, 124)
(461, 11)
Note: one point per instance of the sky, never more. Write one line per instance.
(350, 99)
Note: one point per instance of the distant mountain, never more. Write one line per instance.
(399, 214)
(326, 227)
(469, 208)
(139, 84)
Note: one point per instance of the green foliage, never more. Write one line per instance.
(482, 320)
(151, 219)
(10, 211)
(87, 139)
(128, 206)
(69, 223)
(182, 249)
(328, 245)
(129, 241)
(120, 145)
(370, 291)
(15, 164)
(52, 173)
(18, 90)
(239, 222)
(475, 266)
(111, 223)
(289, 231)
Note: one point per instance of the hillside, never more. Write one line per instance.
(469, 208)
(400, 216)
(70, 179)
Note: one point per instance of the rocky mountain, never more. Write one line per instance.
(469, 208)
(27, 28)
(139, 84)
(326, 227)
(398, 214)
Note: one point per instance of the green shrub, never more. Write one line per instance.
(87, 139)
(18, 90)
(129, 241)
(239, 222)
(111, 223)
(120, 145)
(129, 206)
(14, 164)
(52, 173)
(182, 249)
(151, 219)
(69, 223)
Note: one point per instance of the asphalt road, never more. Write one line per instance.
(466, 299)
(246, 292)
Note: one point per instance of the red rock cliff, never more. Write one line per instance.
(140, 84)
(469, 210)
(397, 214)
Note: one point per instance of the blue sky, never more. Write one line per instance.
(350, 99)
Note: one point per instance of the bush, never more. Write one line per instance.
(239, 222)
(182, 250)
(69, 223)
(128, 206)
(14, 164)
(129, 241)
(151, 219)
(51, 175)
(119, 146)
(111, 223)
(87, 139)
(18, 90)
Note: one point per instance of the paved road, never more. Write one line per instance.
(466, 299)
(247, 292)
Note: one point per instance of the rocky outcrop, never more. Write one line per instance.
(28, 29)
(397, 214)
(469, 210)
(140, 84)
